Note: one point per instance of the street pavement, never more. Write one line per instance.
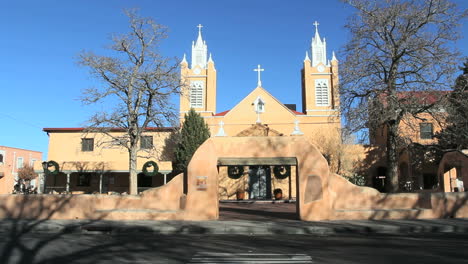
(242, 219)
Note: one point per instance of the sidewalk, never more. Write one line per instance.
(244, 227)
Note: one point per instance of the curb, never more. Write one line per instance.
(444, 226)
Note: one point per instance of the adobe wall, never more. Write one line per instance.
(321, 195)
(162, 203)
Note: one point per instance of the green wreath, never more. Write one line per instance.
(282, 171)
(235, 172)
(54, 164)
(150, 164)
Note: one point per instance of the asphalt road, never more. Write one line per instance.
(150, 248)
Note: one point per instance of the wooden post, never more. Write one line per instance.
(68, 183)
(100, 182)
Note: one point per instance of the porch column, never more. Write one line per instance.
(165, 178)
(68, 183)
(100, 183)
(40, 183)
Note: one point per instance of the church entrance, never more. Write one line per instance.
(259, 182)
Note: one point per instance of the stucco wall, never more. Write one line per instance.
(321, 195)
(157, 203)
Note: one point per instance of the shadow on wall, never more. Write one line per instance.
(30, 237)
(31, 214)
(354, 202)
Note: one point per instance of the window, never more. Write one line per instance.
(84, 179)
(87, 144)
(19, 163)
(425, 130)
(321, 92)
(196, 94)
(146, 142)
(1, 158)
(31, 162)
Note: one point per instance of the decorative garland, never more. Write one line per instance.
(150, 164)
(282, 171)
(235, 172)
(54, 164)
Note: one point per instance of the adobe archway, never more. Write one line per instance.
(313, 198)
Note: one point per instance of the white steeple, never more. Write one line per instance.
(210, 59)
(333, 56)
(307, 56)
(319, 48)
(199, 51)
(184, 60)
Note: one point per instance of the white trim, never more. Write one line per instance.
(184, 112)
(322, 110)
(320, 115)
(212, 116)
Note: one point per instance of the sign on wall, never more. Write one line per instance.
(201, 183)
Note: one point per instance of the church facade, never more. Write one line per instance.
(261, 114)
(320, 97)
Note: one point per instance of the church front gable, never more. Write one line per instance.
(259, 107)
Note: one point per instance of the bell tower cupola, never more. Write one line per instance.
(199, 80)
(320, 95)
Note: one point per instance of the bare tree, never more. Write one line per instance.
(399, 54)
(137, 83)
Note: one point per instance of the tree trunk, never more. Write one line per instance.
(392, 158)
(133, 181)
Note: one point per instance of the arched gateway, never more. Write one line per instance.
(313, 198)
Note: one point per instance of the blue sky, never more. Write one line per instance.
(40, 81)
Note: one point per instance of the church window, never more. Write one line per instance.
(196, 94)
(321, 93)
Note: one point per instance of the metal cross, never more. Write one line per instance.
(259, 79)
(316, 25)
(199, 27)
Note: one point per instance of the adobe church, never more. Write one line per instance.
(261, 114)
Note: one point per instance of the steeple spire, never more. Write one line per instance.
(319, 48)
(199, 51)
(317, 36)
(199, 39)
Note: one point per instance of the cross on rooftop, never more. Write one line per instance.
(199, 27)
(259, 83)
(316, 25)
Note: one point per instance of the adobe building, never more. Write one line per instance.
(13, 159)
(89, 162)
